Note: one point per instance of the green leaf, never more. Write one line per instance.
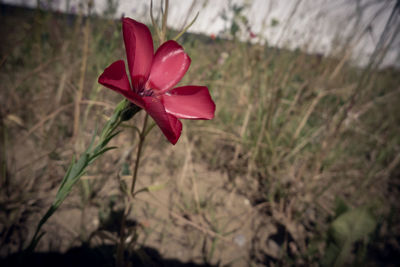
(353, 226)
(151, 188)
(340, 207)
(91, 141)
(65, 178)
(95, 156)
(106, 140)
(350, 227)
(274, 22)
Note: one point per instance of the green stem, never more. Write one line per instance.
(121, 244)
(78, 168)
(142, 137)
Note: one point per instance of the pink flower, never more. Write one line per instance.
(153, 77)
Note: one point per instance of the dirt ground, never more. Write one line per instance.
(191, 213)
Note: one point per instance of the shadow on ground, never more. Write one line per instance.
(97, 256)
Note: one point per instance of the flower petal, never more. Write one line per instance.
(170, 63)
(139, 50)
(115, 78)
(169, 124)
(189, 102)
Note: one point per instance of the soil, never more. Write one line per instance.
(191, 214)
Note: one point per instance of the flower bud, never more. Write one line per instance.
(129, 111)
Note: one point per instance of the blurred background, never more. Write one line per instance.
(300, 165)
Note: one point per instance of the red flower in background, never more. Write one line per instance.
(153, 77)
(252, 35)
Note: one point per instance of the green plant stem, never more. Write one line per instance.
(121, 244)
(142, 137)
(77, 169)
(186, 28)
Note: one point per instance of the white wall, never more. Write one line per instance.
(316, 26)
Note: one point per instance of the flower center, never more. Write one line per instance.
(146, 92)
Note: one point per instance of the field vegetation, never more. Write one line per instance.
(300, 165)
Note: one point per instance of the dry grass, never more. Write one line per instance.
(295, 139)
